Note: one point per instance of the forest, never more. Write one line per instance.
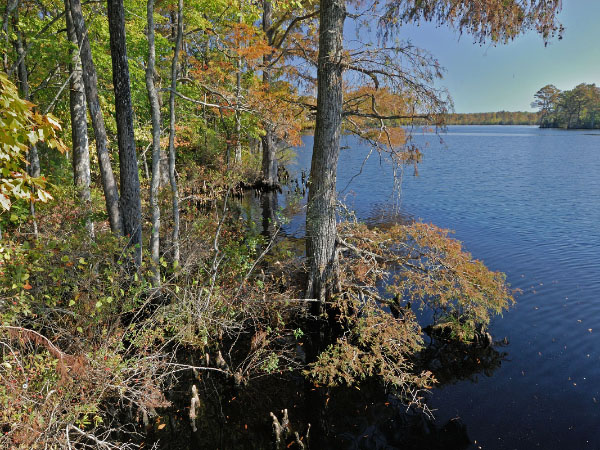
(133, 290)
(575, 108)
(494, 118)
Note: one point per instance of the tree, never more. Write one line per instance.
(484, 20)
(156, 157)
(321, 209)
(546, 100)
(269, 159)
(23, 75)
(79, 125)
(586, 98)
(173, 180)
(575, 108)
(90, 80)
(131, 206)
(279, 25)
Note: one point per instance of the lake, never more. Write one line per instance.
(526, 201)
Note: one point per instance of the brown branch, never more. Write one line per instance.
(292, 24)
(383, 117)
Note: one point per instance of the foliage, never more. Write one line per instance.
(85, 338)
(377, 344)
(20, 127)
(438, 274)
(494, 118)
(66, 354)
(575, 108)
(411, 263)
(495, 20)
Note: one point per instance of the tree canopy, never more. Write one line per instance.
(575, 108)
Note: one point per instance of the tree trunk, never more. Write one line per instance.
(79, 126)
(269, 160)
(33, 158)
(238, 93)
(172, 177)
(131, 205)
(90, 81)
(10, 7)
(156, 157)
(321, 209)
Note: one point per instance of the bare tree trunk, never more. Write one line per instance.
(10, 7)
(131, 205)
(269, 159)
(238, 93)
(90, 81)
(172, 177)
(321, 209)
(23, 74)
(79, 125)
(155, 114)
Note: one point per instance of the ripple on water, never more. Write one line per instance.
(527, 202)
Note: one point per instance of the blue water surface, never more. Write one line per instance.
(526, 201)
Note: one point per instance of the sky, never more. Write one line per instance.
(487, 78)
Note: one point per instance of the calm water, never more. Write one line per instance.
(527, 202)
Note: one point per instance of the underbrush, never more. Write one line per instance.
(90, 347)
(92, 352)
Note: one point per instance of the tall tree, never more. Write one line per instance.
(156, 156)
(172, 177)
(545, 100)
(131, 205)
(11, 5)
(238, 99)
(90, 81)
(484, 19)
(321, 210)
(79, 125)
(23, 75)
(269, 159)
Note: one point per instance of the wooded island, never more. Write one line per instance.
(575, 108)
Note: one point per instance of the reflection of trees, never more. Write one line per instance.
(371, 418)
(268, 203)
(452, 361)
(340, 418)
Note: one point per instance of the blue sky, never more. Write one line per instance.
(487, 78)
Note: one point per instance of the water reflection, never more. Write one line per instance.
(342, 418)
(451, 362)
(268, 204)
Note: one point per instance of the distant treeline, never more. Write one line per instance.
(575, 108)
(494, 118)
